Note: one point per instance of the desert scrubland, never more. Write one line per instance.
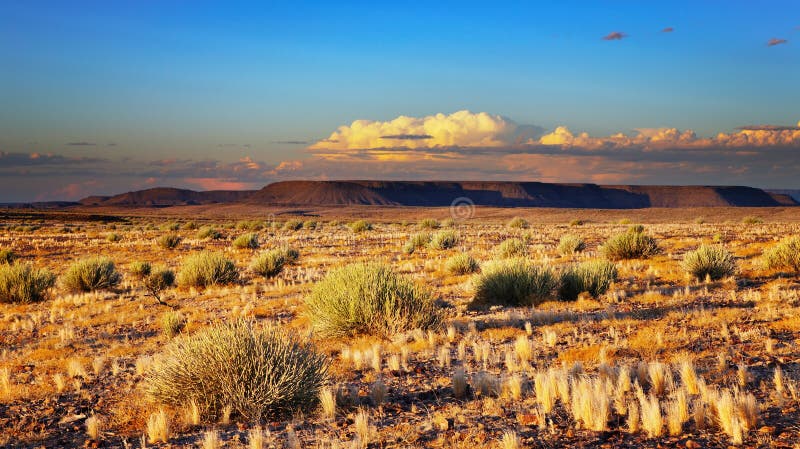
(357, 328)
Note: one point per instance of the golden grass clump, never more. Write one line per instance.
(207, 268)
(268, 264)
(513, 282)
(417, 241)
(90, 274)
(444, 240)
(783, 256)
(633, 244)
(257, 372)
(713, 262)
(360, 226)
(570, 244)
(594, 277)
(21, 283)
(169, 241)
(369, 298)
(513, 247)
(7, 256)
(461, 264)
(246, 241)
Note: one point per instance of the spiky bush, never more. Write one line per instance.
(360, 226)
(93, 273)
(751, 220)
(172, 323)
(311, 224)
(429, 223)
(290, 254)
(444, 240)
(140, 269)
(512, 282)
(783, 256)
(209, 233)
(246, 241)
(190, 226)
(518, 223)
(369, 298)
(257, 372)
(593, 277)
(7, 256)
(630, 245)
(169, 241)
(113, 237)
(269, 263)
(21, 283)
(416, 242)
(207, 268)
(714, 262)
(570, 244)
(160, 279)
(461, 264)
(170, 227)
(293, 225)
(249, 225)
(512, 248)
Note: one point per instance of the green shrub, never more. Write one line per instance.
(249, 225)
(570, 244)
(310, 224)
(594, 277)
(461, 264)
(160, 279)
(246, 241)
(360, 226)
(429, 223)
(169, 241)
(630, 245)
(444, 240)
(512, 282)
(209, 233)
(170, 227)
(140, 269)
(260, 373)
(512, 248)
(714, 262)
(417, 241)
(113, 237)
(784, 256)
(7, 256)
(172, 323)
(21, 283)
(293, 225)
(448, 223)
(269, 263)
(751, 220)
(637, 228)
(94, 273)
(207, 268)
(190, 226)
(518, 223)
(369, 298)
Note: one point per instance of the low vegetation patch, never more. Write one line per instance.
(207, 268)
(140, 269)
(169, 241)
(160, 279)
(513, 282)
(784, 256)
(7, 256)
(512, 248)
(21, 283)
(292, 225)
(369, 298)
(246, 241)
(461, 264)
(94, 273)
(429, 223)
(269, 264)
(209, 233)
(713, 262)
(360, 226)
(634, 244)
(416, 241)
(593, 277)
(444, 240)
(257, 372)
(172, 323)
(518, 223)
(570, 244)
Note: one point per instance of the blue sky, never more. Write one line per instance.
(233, 80)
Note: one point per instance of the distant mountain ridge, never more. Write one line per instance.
(794, 193)
(443, 193)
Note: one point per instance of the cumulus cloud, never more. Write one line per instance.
(615, 36)
(775, 41)
(462, 128)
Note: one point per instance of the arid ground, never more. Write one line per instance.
(659, 360)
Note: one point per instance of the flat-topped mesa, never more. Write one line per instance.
(444, 193)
